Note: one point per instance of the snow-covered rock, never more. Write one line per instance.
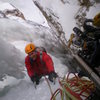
(8, 10)
(11, 60)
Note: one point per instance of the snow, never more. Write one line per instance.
(8, 81)
(9, 30)
(14, 35)
(11, 60)
(26, 86)
(3, 6)
(66, 13)
(18, 35)
(28, 91)
(30, 11)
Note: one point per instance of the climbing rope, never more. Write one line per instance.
(74, 88)
(53, 98)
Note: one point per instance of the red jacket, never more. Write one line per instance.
(37, 67)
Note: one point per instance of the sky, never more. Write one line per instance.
(15, 34)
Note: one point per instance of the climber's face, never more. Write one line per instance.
(33, 55)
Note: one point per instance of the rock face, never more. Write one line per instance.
(7, 10)
(2, 15)
(14, 12)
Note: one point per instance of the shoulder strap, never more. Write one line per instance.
(41, 56)
(31, 61)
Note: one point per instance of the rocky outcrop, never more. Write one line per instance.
(56, 27)
(14, 12)
(10, 11)
(2, 15)
(80, 16)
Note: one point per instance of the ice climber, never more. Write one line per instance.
(38, 63)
